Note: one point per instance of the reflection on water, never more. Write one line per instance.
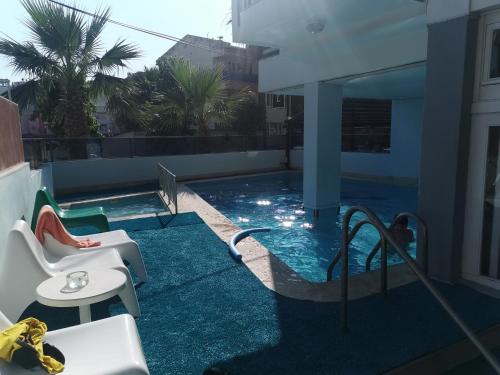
(307, 244)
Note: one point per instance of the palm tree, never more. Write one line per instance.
(169, 98)
(201, 94)
(141, 106)
(127, 106)
(65, 64)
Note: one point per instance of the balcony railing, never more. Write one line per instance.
(39, 150)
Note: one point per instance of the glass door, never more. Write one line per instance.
(490, 243)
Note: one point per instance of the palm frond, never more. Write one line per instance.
(161, 119)
(55, 29)
(203, 92)
(117, 56)
(26, 94)
(26, 58)
(93, 32)
(107, 85)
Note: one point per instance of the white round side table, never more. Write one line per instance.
(102, 284)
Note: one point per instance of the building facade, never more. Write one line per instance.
(437, 62)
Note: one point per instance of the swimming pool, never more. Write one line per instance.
(305, 244)
(136, 204)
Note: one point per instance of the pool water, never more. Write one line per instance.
(142, 204)
(306, 244)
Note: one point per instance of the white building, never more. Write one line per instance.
(438, 62)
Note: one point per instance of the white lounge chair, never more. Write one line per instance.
(24, 264)
(117, 239)
(109, 346)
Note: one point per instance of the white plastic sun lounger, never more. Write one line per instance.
(24, 264)
(117, 239)
(109, 346)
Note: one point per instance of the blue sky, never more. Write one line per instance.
(173, 17)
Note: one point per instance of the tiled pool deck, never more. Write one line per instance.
(201, 309)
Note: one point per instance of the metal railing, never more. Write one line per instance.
(422, 242)
(387, 238)
(337, 257)
(58, 149)
(168, 186)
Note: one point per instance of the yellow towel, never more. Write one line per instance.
(32, 331)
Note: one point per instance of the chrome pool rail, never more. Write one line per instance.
(168, 186)
(387, 237)
(422, 242)
(337, 257)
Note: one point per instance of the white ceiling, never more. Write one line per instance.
(283, 23)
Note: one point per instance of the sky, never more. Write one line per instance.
(172, 17)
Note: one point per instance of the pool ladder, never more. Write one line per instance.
(419, 270)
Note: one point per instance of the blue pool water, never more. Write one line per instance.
(306, 244)
(126, 206)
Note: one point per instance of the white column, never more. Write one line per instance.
(322, 145)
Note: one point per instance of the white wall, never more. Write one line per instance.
(404, 159)
(444, 10)
(81, 174)
(18, 187)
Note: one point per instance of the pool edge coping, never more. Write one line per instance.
(274, 273)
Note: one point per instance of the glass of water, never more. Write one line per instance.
(77, 279)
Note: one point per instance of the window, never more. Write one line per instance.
(491, 58)
(495, 55)
(278, 101)
(366, 125)
(490, 252)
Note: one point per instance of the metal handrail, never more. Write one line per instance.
(168, 185)
(385, 234)
(337, 257)
(422, 253)
(422, 242)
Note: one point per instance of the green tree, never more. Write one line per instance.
(66, 65)
(250, 116)
(143, 104)
(128, 105)
(173, 97)
(200, 94)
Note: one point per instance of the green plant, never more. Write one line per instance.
(174, 97)
(66, 65)
(201, 94)
(250, 116)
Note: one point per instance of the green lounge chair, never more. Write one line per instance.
(71, 218)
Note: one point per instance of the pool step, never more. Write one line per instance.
(448, 358)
